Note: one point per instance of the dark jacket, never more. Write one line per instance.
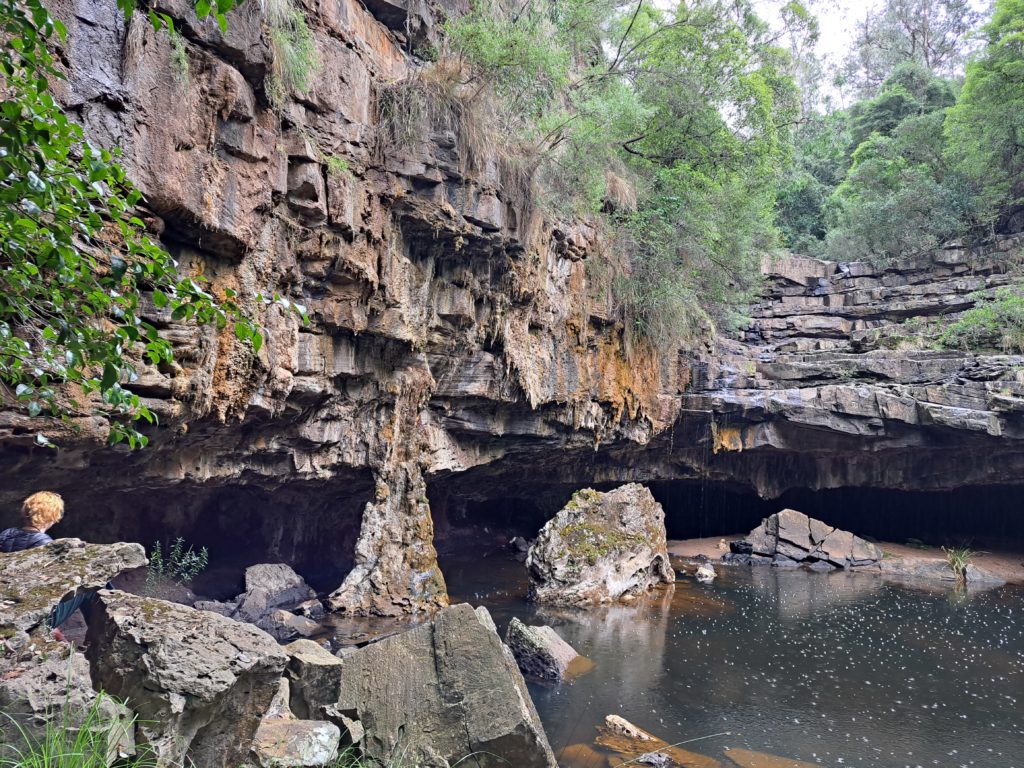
(15, 540)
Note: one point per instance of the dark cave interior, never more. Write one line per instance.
(313, 527)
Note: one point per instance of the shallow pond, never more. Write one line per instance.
(831, 669)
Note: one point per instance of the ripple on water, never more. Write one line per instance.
(822, 669)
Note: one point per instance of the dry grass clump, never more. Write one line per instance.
(439, 104)
(619, 193)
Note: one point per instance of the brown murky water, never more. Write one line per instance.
(796, 667)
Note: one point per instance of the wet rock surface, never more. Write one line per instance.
(199, 682)
(542, 654)
(600, 548)
(442, 691)
(910, 570)
(790, 538)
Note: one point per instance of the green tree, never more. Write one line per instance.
(934, 33)
(688, 105)
(985, 129)
(820, 160)
(75, 258)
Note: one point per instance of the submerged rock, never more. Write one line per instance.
(748, 758)
(600, 548)
(442, 691)
(199, 682)
(705, 573)
(633, 745)
(912, 569)
(790, 538)
(542, 654)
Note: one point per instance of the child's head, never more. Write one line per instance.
(42, 510)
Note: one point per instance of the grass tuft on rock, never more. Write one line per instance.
(959, 558)
(68, 743)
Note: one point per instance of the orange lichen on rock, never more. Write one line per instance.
(726, 438)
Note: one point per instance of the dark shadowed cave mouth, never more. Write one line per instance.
(313, 526)
(989, 516)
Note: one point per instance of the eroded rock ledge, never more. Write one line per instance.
(457, 347)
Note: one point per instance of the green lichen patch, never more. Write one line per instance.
(588, 542)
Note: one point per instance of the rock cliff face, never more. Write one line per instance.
(455, 342)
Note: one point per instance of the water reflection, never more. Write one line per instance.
(826, 668)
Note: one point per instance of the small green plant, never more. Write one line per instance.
(295, 55)
(959, 558)
(338, 167)
(180, 565)
(995, 322)
(179, 54)
(67, 742)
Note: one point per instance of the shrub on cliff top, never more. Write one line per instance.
(996, 322)
(687, 104)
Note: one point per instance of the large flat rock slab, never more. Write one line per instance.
(33, 581)
(443, 691)
(199, 682)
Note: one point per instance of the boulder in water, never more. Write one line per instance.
(601, 548)
(542, 654)
(790, 538)
(705, 573)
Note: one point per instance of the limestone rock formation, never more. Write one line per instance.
(314, 676)
(442, 691)
(285, 741)
(199, 682)
(276, 599)
(789, 538)
(456, 341)
(600, 548)
(33, 581)
(541, 653)
(40, 678)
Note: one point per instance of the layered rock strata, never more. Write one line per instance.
(791, 538)
(458, 347)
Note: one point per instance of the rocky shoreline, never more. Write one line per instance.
(1008, 565)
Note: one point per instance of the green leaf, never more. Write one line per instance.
(110, 376)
